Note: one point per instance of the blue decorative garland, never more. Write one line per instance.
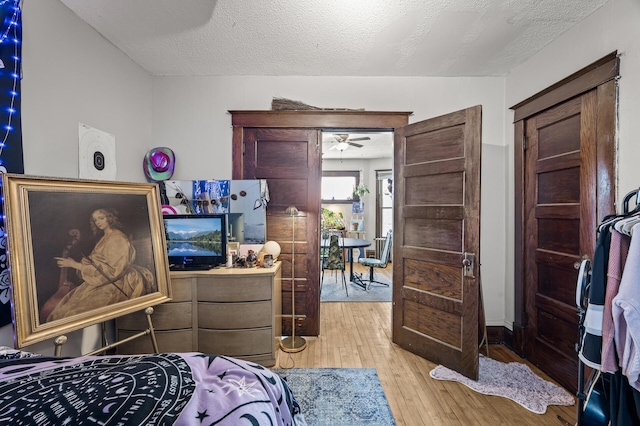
(11, 159)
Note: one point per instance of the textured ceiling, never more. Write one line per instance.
(331, 37)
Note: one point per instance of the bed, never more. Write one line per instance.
(153, 389)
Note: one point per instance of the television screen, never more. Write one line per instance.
(196, 241)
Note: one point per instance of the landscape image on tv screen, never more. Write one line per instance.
(194, 236)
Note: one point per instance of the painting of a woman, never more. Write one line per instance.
(109, 274)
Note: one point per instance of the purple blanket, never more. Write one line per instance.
(161, 389)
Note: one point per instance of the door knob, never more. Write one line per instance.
(467, 263)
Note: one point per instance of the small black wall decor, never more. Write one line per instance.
(11, 159)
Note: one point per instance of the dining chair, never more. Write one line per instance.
(373, 263)
(333, 259)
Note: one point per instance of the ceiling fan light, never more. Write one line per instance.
(342, 146)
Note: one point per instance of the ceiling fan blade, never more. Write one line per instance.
(364, 138)
(355, 144)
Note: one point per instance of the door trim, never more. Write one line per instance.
(312, 119)
(316, 119)
(591, 77)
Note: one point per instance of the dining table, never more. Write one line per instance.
(350, 244)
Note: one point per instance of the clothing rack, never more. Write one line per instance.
(600, 393)
(581, 296)
(627, 198)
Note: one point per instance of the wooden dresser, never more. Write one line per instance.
(226, 311)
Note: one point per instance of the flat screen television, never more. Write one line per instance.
(196, 241)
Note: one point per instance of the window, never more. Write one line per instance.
(384, 199)
(337, 186)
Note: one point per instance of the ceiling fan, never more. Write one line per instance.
(343, 141)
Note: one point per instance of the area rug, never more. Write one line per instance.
(333, 290)
(339, 396)
(512, 380)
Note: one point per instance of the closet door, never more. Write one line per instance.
(567, 164)
(558, 205)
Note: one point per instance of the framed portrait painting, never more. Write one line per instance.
(81, 252)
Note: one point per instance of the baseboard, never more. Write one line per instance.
(500, 335)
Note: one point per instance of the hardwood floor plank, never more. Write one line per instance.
(358, 335)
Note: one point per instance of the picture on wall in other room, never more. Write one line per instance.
(357, 208)
(357, 225)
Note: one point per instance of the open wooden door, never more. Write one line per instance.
(437, 239)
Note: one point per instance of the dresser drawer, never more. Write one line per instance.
(228, 316)
(167, 316)
(236, 342)
(226, 311)
(168, 341)
(268, 360)
(181, 289)
(234, 289)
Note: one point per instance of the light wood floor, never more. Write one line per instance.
(358, 335)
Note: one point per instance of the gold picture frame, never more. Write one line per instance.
(81, 252)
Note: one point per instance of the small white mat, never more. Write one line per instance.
(513, 380)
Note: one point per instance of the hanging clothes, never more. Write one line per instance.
(610, 332)
(618, 252)
(591, 351)
(624, 401)
(626, 314)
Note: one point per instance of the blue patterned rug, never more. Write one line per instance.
(339, 396)
(333, 291)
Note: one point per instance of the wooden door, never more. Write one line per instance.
(437, 223)
(290, 161)
(567, 188)
(561, 217)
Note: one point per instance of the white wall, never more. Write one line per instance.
(72, 75)
(190, 116)
(616, 26)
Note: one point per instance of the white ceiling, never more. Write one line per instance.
(379, 145)
(332, 38)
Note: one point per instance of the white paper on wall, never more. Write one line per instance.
(97, 153)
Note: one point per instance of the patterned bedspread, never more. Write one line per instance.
(160, 389)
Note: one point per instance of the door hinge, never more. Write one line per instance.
(243, 147)
(524, 143)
